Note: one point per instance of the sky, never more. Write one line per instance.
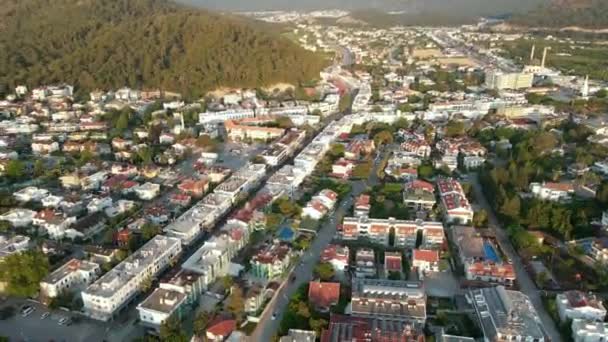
(445, 6)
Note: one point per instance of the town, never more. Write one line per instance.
(430, 185)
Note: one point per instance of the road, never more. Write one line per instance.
(526, 285)
(268, 327)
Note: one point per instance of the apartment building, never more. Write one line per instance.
(406, 232)
(392, 300)
(576, 304)
(506, 315)
(72, 276)
(455, 205)
(271, 261)
(516, 80)
(113, 291)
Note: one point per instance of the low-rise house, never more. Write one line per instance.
(19, 217)
(552, 191)
(30, 193)
(393, 262)
(72, 276)
(99, 204)
(53, 223)
(455, 205)
(87, 227)
(296, 335)
(362, 206)
(12, 245)
(219, 330)
(419, 195)
(337, 256)
(254, 299)
(51, 201)
(342, 168)
(159, 306)
(576, 304)
(323, 295)
(506, 315)
(147, 191)
(194, 187)
(425, 261)
(586, 331)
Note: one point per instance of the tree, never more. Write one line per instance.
(392, 275)
(39, 168)
(5, 226)
(150, 230)
(227, 282)
(345, 102)
(383, 137)
(480, 218)
(200, 323)
(454, 128)
(363, 170)
(236, 302)
(425, 171)
(123, 121)
(145, 155)
(15, 169)
(172, 331)
(284, 122)
(22, 272)
(318, 325)
(325, 271)
(146, 284)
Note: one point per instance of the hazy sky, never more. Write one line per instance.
(447, 6)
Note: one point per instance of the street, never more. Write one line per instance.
(267, 327)
(526, 285)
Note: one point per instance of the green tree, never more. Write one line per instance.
(425, 171)
(236, 303)
(39, 168)
(325, 271)
(454, 128)
(383, 137)
(171, 331)
(150, 230)
(22, 273)
(392, 275)
(480, 218)
(318, 325)
(123, 121)
(284, 122)
(200, 323)
(15, 169)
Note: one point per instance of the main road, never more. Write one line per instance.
(269, 325)
(526, 285)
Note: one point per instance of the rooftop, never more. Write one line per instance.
(163, 300)
(74, 265)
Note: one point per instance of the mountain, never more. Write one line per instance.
(590, 14)
(142, 43)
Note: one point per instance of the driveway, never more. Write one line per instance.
(526, 285)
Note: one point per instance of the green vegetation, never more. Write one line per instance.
(144, 44)
(22, 273)
(325, 271)
(589, 14)
(300, 315)
(588, 58)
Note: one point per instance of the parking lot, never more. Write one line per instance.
(33, 328)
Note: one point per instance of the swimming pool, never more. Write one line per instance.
(490, 252)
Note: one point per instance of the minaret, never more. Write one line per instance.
(532, 54)
(181, 116)
(585, 89)
(542, 64)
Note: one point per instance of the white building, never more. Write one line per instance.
(160, 306)
(585, 331)
(99, 204)
(104, 298)
(455, 205)
(506, 315)
(232, 114)
(516, 80)
(147, 191)
(576, 304)
(71, 276)
(31, 193)
(15, 244)
(19, 217)
(552, 191)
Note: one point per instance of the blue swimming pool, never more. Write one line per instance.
(490, 252)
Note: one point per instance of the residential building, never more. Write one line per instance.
(53, 223)
(147, 191)
(344, 328)
(19, 217)
(419, 195)
(186, 282)
(72, 276)
(271, 262)
(12, 245)
(425, 261)
(232, 114)
(481, 258)
(576, 304)
(393, 262)
(362, 206)
(552, 191)
(337, 256)
(296, 335)
(378, 230)
(239, 131)
(506, 315)
(365, 263)
(219, 329)
(30, 193)
(110, 293)
(159, 306)
(586, 331)
(455, 205)
(516, 80)
(323, 295)
(342, 168)
(389, 300)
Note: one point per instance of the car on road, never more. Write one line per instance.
(65, 321)
(45, 315)
(274, 315)
(27, 310)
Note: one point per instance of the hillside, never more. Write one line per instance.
(591, 14)
(141, 43)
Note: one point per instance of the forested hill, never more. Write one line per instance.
(141, 43)
(591, 14)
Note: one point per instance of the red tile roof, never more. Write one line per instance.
(222, 328)
(323, 294)
(425, 255)
(392, 263)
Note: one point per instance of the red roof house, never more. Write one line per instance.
(323, 295)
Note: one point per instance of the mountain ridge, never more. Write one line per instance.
(142, 43)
